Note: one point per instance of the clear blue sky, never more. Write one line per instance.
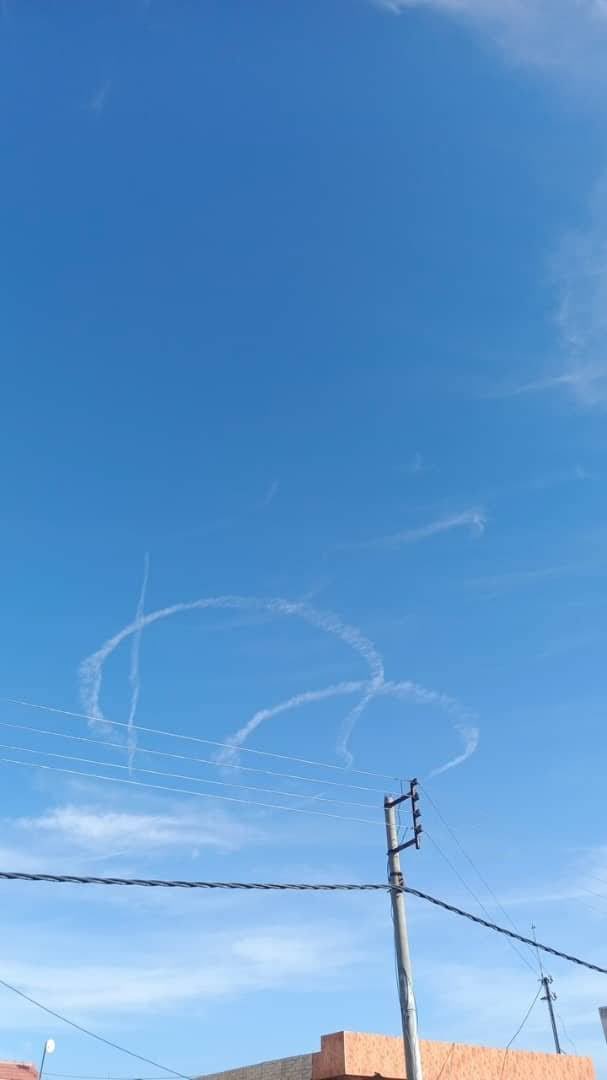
(306, 300)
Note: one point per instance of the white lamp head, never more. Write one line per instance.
(49, 1046)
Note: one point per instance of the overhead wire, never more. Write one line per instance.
(446, 1061)
(309, 887)
(482, 878)
(182, 776)
(87, 1031)
(566, 1033)
(475, 897)
(214, 763)
(471, 862)
(518, 1030)
(186, 791)
(207, 742)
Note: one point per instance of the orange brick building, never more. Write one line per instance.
(15, 1070)
(349, 1055)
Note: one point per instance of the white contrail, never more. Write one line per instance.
(474, 520)
(470, 737)
(91, 669)
(308, 697)
(405, 690)
(134, 675)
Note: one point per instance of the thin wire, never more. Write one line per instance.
(252, 886)
(519, 1029)
(184, 791)
(91, 1034)
(445, 1062)
(206, 742)
(188, 757)
(469, 859)
(182, 776)
(597, 878)
(567, 1035)
(589, 907)
(592, 892)
(474, 896)
(537, 952)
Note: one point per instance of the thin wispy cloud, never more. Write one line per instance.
(552, 34)
(270, 494)
(576, 474)
(473, 520)
(162, 976)
(579, 269)
(98, 830)
(99, 99)
(512, 579)
(416, 466)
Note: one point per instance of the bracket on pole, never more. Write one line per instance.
(413, 795)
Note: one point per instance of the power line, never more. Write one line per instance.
(446, 1061)
(185, 791)
(469, 859)
(189, 757)
(503, 930)
(207, 742)
(256, 886)
(183, 776)
(567, 1035)
(519, 1029)
(87, 1031)
(474, 896)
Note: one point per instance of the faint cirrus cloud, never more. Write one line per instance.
(555, 35)
(473, 519)
(98, 101)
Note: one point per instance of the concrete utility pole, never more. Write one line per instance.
(401, 941)
(549, 997)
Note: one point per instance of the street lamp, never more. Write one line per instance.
(49, 1048)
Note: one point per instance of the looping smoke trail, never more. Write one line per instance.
(134, 676)
(91, 670)
(404, 690)
(470, 736)
(308, 697)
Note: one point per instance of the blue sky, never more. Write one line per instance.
(307, 301)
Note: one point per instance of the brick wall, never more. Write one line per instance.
(353, 1055)
(291, 1068)
(15, 1070)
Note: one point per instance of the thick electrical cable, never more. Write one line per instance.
(310, 887)
(474, 896)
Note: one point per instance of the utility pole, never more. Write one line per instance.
(401, 941)
(549, 997)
